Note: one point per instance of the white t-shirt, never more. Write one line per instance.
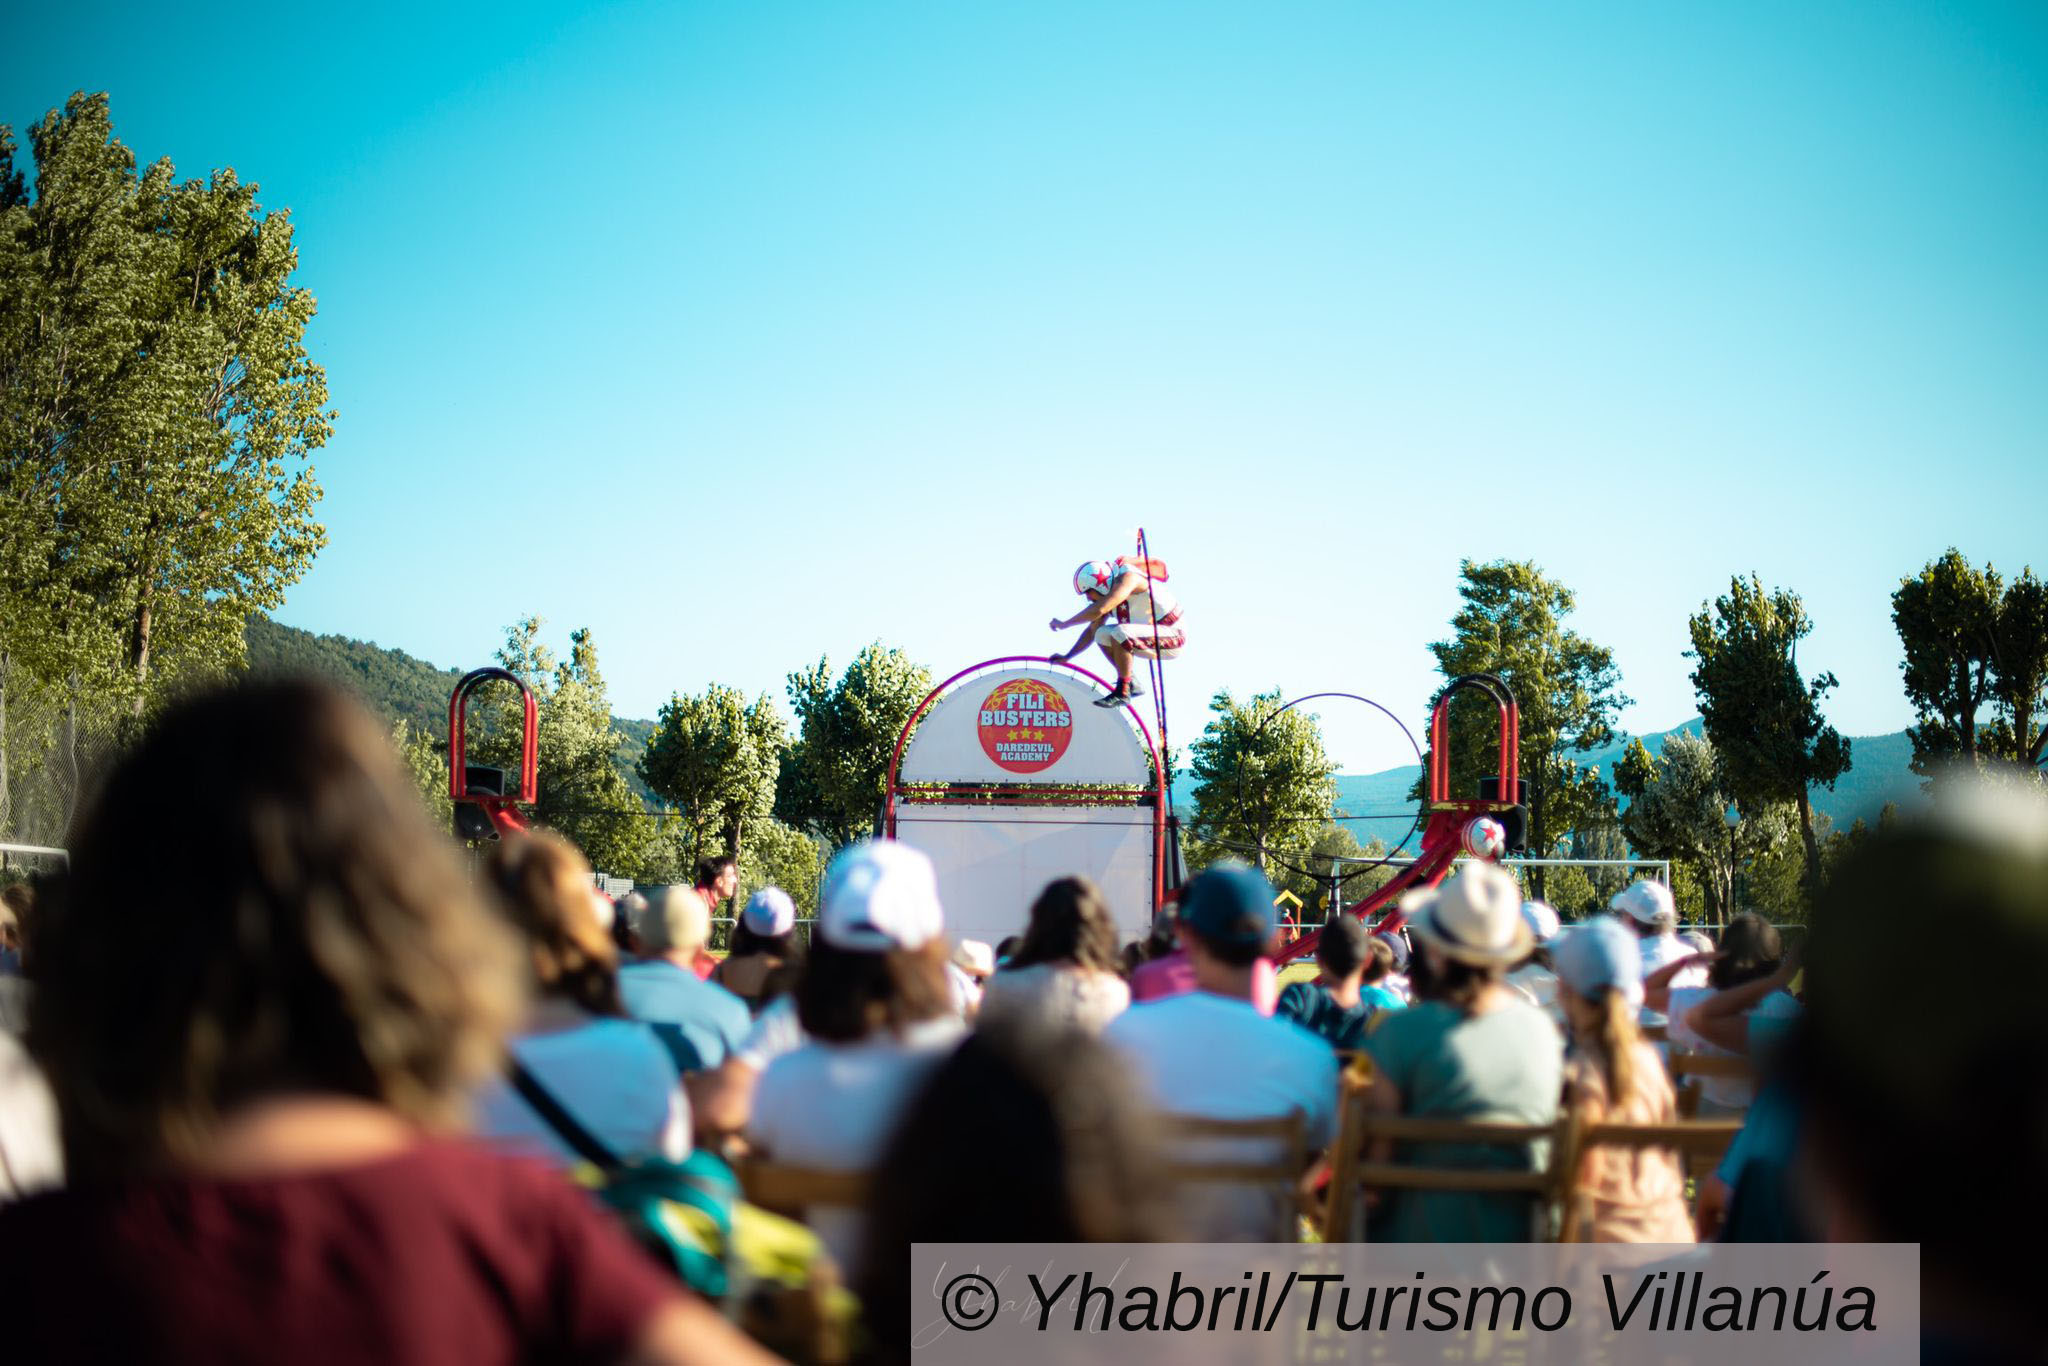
(1662, 950)
(776, 1031)
(1212, 1056)
(612, 1075)
(834, 1106)
(1059, 994)
(1727, 1093)
(1537, 985)
(966, 992)
(30, 1158)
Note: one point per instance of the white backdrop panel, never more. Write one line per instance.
(994, 861)
(1025, 726)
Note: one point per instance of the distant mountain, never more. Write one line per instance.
(1879, 773)
(396, 685)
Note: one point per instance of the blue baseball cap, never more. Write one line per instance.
(1229, 903)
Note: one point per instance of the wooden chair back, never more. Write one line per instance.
(786, 1189)
(1688, 1068)
(1351, 1172)
(1287, 1136)
(1696, 1141)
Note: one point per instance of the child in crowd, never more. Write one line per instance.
(1336, 1008)
(764, 947)
(1065, 970)
(1637, 1195)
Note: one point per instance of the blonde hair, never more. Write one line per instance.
(325, 937)
(547, 889)
(679, 922)
(1614, 1041)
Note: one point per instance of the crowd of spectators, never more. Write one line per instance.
(282, 1105)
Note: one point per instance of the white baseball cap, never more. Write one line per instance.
(1542, 920)
(974, 958)
(1475, 917)
(769, 913)
(880, 895)
(1648, 902)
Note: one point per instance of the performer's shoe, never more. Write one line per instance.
(1120, 694)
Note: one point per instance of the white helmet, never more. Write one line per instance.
(1094, 577)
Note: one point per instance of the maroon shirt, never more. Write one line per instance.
(443, 1253)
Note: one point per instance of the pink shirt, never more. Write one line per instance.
(1174, 974)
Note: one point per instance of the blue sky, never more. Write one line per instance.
(745, 333)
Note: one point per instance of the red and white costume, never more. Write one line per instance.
(1148, 621)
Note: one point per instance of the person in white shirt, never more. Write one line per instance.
(1130, 615)
(1210, 1053)
(1646, 907)
(1535, 979)
(876, 1007)
(1064, 973)
(1751, 949)
(30, 1158)
(609, 1072)
(967, 973)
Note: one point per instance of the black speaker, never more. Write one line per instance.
(1514, 820)
(472, 822)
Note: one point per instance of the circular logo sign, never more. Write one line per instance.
(1025, 725)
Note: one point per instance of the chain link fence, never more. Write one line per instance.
(55, 745)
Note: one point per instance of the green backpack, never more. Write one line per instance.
(680, 1212)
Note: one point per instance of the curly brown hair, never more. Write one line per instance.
(259, 905)
(548, 891)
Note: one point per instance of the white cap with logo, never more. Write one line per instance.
(880, 895)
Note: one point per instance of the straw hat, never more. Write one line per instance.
(1475, 917)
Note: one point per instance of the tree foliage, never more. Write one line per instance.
(157, 411)
(1680, 808)
(835, 775)
(1263, 784)
(1568, 690)
(581, 793)
(716, 757)
(1763, 717)
(1973, 646)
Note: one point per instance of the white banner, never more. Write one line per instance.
(1025, 726)
(994, 861)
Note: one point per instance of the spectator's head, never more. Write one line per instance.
(677, 925)
(878, 960)
(1398, 947)
(1544, 927)
(627, 913)
(1931, 1126)
(1226, 914)
(1005, 947)
(1696, 940)
(1074, 1153)
(1070, 923)
(1600, 986)
(327, 941)
(1164, 936)
(1344, 950)
(546, 889)
(767, 925)
(717, 878)
(1750, 948)
(1646, 907)
(1470, 930)
(1379, 960)
(974, 958)
(17, 909)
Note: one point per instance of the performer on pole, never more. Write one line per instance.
(1130, 615)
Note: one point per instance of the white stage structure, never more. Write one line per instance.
(1009, 776)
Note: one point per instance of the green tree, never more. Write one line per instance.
(778, 856)
(1763, 717)
(2019, 672)
(1680, 809)
(426, 759)
(581, 793)
(716, 757)
(1567, 689)
(162, 408)
(1263, 784)
(835, 775)
(1974, 645)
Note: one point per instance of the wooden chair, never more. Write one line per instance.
(1351, 1173)
(789, 1190)
(1282, 1172)
(1688, 1068)
(1695, 1140)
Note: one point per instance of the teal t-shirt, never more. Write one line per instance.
(1314, 1009)
(1507, 1067)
